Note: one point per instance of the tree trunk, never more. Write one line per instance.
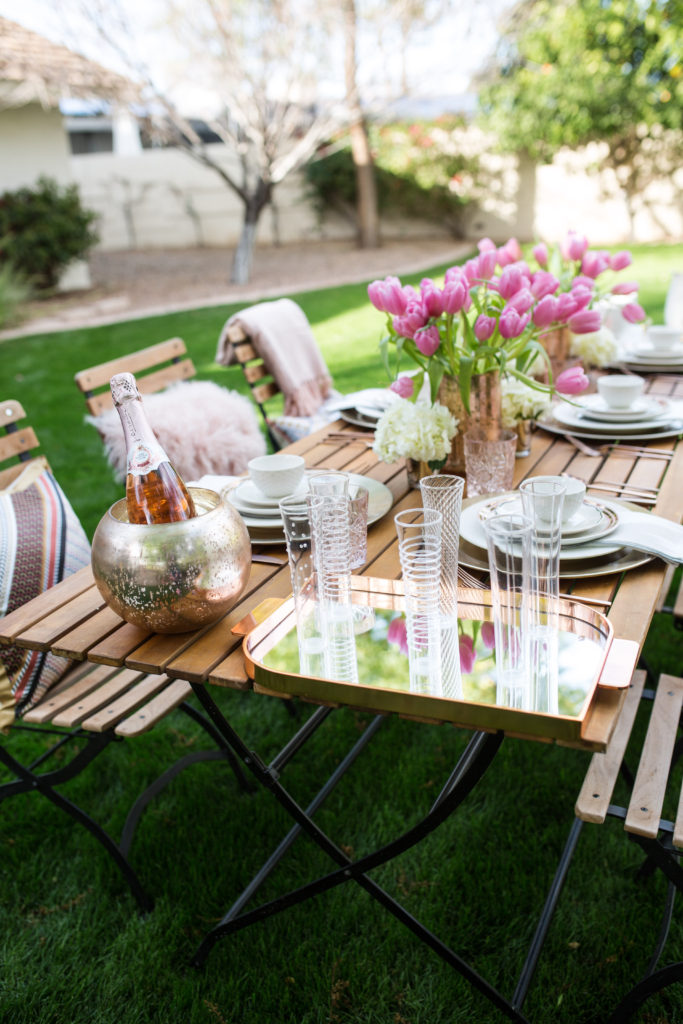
(254, 206)
(368, 218)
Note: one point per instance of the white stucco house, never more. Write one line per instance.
(35, 76)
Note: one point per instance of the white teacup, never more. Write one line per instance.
(620, 392)
(574, 493)
(663, 338)
(277, 475)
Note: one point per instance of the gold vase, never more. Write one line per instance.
(558, 345)
(485, 412)
(523, 429)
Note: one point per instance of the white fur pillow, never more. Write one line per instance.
(203, 428)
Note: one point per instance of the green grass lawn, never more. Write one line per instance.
(74, 950)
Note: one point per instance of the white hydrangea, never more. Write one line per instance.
(419, 431)
(596, 349)
(520, 402)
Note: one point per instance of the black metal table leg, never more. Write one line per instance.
(471, 766)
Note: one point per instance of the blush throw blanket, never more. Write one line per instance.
(281, 335)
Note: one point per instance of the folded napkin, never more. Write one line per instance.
(281, 335)
(215, 483)
(371, 398)
(646, 532)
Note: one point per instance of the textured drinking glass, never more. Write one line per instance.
(328, 505)
(489, 465)
(419, 547)
(542, 503)
(508, 540)
(444, 494)
(359, 496)
(297, 524)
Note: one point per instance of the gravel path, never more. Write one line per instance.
(147, 282)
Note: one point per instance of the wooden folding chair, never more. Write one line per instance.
(659, 838)
(155, 368)
(259, 378)
(92, 705)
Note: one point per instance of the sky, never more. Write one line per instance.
(442, 59)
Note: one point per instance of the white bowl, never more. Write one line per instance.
(620, 392)
(664, 339)
(277, 475)
(574, 493)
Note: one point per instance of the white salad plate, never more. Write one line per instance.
(472, 531)
(594, 519)
(652, 355)
(594, 407)
(566, 415)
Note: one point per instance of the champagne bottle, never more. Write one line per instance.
(155, 493)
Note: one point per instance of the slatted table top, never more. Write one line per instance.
(73, 620)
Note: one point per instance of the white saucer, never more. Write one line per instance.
(568, 416)
(248, 494)
(472, 531)
(594, 519)
(653, 355)
(595, 407)
(663, 359)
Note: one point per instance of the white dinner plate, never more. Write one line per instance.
(358, 420)
(586, 431)
(625, 558)
(594, 407)
(594, 519)
(563, 414)
(651, 355)
(380, 501)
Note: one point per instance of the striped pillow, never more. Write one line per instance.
(41, 542)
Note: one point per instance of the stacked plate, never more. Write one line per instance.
(262, 515)
(651, 360)
(589, 416)
(585, 549)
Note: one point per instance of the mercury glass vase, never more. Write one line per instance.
(485, 401)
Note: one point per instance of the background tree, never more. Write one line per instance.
(572, 72)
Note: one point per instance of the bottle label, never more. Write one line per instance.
(143, 458)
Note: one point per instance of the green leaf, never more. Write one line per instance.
(435, 372)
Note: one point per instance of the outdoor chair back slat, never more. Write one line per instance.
(166, 363)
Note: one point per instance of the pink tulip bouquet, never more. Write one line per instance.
(492, 313)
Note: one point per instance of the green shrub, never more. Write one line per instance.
(14, 291)
(42, 229)
(421, 171)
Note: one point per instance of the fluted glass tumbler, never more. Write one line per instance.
(297, 525)
(508, 540)
(489, 465)
(419, 546)
(328, 504)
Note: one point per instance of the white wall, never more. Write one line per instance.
(32, 142)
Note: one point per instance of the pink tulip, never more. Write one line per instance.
(467, 654)
(488, 635)
(540, 252)
(582, 296)
(486, 245)
(575, 245)
(509, 253)
(625, 288)
(621, 260)
(545, 312)
(432, 297)
(566, 305)
(521, 301)
(428, 340)
(543, 283)
(572, 381)
(484, 327)
(455, 296)
(404, 387)
(415, 317)
(511, 324)
(510, 281)
(487, 264)
(455, 275)
(634, 313)
(470, 270)
(595, 263)
(397, 633)
(585, 321)
(581, 279)
(387, 296)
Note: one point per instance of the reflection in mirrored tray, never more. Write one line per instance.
(549, 699)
